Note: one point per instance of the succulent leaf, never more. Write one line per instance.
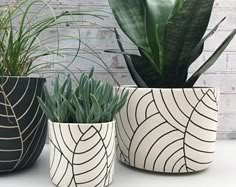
(91, 101)
(46, 110)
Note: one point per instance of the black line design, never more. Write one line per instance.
(148, 108)
(122, 91)
(175, 164)
(169, 110)
(161, 113)
(144, 139)
(171, 156)
(175, 146)
(85, 157)
(165, 148)
(138, 104)
(23, 127)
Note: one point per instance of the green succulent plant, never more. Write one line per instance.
(169, 35)
(90, 102)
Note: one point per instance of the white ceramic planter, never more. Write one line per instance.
(82, 154)
(168, 130)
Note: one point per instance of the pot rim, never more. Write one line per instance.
(84, 124)
(22, 77)
(136, 87)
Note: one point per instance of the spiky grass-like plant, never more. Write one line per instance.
(20, 32)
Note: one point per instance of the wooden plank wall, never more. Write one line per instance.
(99, 36)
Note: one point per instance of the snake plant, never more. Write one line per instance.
(91, 101)
(169, 35)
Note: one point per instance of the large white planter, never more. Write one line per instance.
(82, 154)
(168, 130)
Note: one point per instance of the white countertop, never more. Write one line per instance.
(221, 174)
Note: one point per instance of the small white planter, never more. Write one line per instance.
(82, 154)
(168, 130)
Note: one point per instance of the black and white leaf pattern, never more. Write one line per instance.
(22, 123)
(168, 130)
(82, 155)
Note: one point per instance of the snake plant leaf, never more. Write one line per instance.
(182, 68)
(173, 32)
(192, 80)
(144, 68)
(134, 74)
(183, 32)
(178, 4)
(156, 17)
(196, 52)
(130, 16)
(153, 80)
(182, 35)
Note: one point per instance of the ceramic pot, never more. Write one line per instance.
(22, 122)
(82, 154)
(168, 130)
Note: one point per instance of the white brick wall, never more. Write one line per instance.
(100, 37)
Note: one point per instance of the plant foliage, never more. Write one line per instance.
(20, 30)
(169, 35)
(90, 102)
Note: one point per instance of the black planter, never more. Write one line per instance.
(23, 127)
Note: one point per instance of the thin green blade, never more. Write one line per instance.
(192, 80)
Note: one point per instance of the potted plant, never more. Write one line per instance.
(167, 124)
(22, 122)
(82, 131)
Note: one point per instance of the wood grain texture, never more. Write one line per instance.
(99, 36)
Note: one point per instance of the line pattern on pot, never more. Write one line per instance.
(87, 151)
(163, 129)
(22, 123)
